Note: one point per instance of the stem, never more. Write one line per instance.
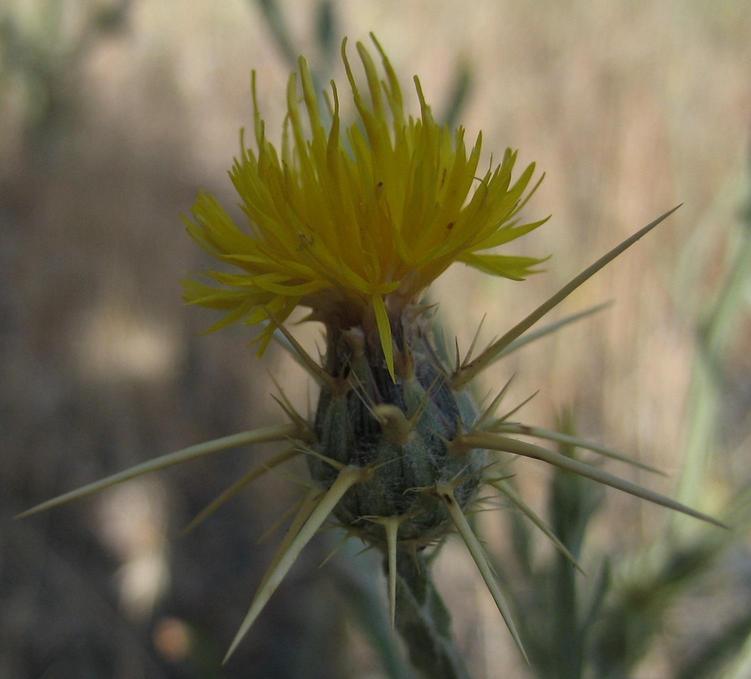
(706, 391)
(424, 622)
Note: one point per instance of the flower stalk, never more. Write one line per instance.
(424, 622)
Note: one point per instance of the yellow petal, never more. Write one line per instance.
(384, 332)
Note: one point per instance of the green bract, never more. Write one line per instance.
(402, 430)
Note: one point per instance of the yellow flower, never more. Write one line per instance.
(354, 223)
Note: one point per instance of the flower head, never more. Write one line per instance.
(353, 224)
(355, 221)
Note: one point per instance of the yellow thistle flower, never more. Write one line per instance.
(354, 223)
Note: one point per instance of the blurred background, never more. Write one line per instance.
(115, 113)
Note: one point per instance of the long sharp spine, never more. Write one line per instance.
(347, 478)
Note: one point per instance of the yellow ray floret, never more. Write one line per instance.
(354, 221)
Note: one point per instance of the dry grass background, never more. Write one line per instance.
(630, 108)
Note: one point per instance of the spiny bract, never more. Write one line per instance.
(354, 225)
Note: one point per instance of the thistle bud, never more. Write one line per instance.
(401, 429)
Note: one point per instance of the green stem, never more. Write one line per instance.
(424, 622)
(705, 396)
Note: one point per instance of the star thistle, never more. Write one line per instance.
(354, 222)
